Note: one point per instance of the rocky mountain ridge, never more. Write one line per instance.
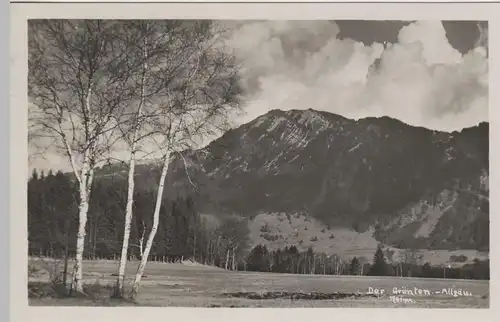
(372, 172)
(411, 186)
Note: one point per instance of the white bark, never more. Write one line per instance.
(233, 261)
(86, 181)
(141, 240)
(131, 184)
(86, 134)
(227, 260)
(156, 220)
(128, 222)
(85, 177)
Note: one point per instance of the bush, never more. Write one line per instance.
(93, 291)
(313, 239)
(98, 291)
(332, 236)
(52, 267)
(46, 289)
(54, 287)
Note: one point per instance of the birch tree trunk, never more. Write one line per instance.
(84, 177)
(194, 248)
(141, 240)
(77, 285)
(85, 183)
(227, 259)
(66, 253)
(324, 264)
(233, 261)
(156, 220)
(131, 184)
(128, 222)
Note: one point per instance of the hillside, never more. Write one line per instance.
(377, 178)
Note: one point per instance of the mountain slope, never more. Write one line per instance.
(414, 186)
(379, 178)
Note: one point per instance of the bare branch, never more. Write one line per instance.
(187, 172)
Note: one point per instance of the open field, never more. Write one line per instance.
(200, 286)
(306, 231)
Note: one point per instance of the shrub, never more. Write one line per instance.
(332, 236)
(313, 239)
(98, 291)
(55, 286)
(46, 289)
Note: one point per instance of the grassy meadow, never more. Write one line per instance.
(192, 285)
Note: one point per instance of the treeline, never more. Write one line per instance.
(182, 232)
(291, 260)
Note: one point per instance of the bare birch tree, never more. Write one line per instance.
(201, 90)
(132, 142)
(76, 88)
(151, 46)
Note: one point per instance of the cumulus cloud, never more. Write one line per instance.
(421, 79)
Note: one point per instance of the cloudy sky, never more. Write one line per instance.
(425, 73)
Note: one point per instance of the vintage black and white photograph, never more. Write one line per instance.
(258, 163)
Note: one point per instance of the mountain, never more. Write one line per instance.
(407, 186)
(312, 178)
